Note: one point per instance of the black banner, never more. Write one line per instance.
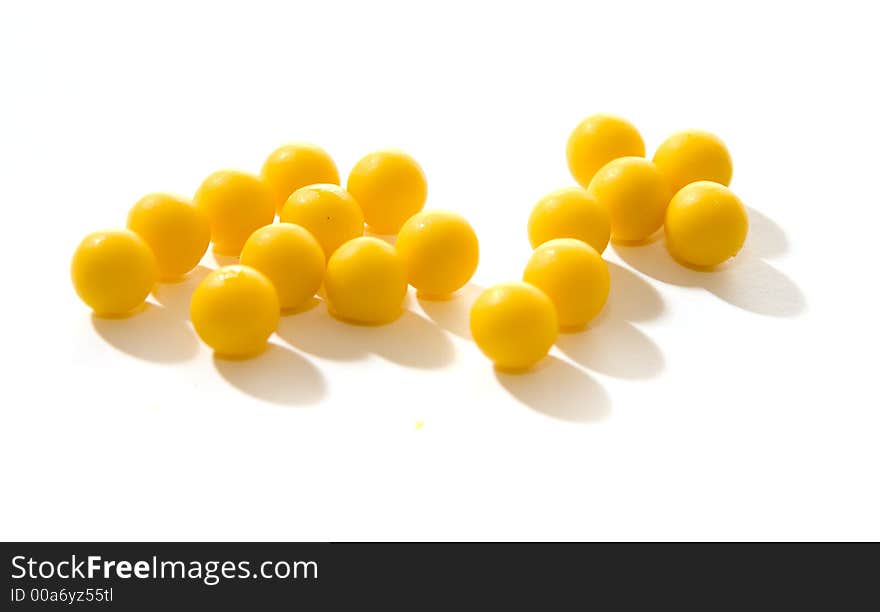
(270, 576)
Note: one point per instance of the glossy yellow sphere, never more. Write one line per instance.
(290, 257)
(296, 165)
(570, 213)
(514, 324)
(178, 233)
(113, 271)
(440, 252)
(329, 212)
(365, 282)
(706, 224)
(635, 194)
(390, 186)
(694, 155)
(596, 141)
(236, 204)
(574, 276)
(234, 310)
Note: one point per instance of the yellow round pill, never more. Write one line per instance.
(570, 213)
(706, 224)
(440, 252)
(329, 212)
(365, 282)
(113, 271)
(290, 257)
(574, 276)
(390, 186)
(635, 194)
(236, 204)
(596, 141)
(234, 310)
(514, 324)
(178, 233)
(694, 155)
(296, 165)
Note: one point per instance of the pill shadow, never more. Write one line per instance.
(175, 297)
(766, 238)
(453, 314)
(611, 344)
(747, 281)
(614, 347)
(278, 375)
(559, 390)
(154, 333)
(315, 332)
(410, 340)
(632, 298)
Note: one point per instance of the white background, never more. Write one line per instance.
(739, 404)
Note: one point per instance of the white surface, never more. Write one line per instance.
(740, 404)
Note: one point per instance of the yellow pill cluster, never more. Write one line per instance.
(622, 197)
(318, 239)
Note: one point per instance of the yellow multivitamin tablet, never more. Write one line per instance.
(365, 282)
(390, 186)
(329, 212)
(694, 155)
(296, 165)
(514, 324)
(574, 276)
(290, 257)
(635, 194)
(234, 310)
(570, 213)
(706, 224)
(113, 271)
(236, 204)
(178, 233)
(440, 252)
(596, 141)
